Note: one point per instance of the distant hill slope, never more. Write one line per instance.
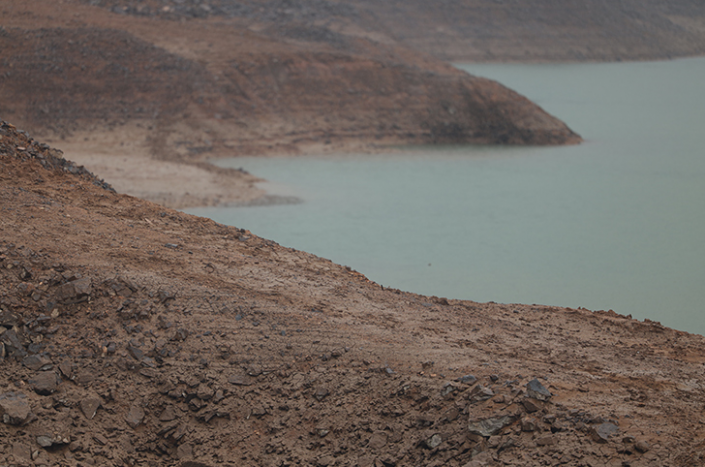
(473, 30)
(243, 83)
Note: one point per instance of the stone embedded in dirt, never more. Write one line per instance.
(240, 380)
(168, 414)
(9, 319)
(467, 379)
(448, 389)
(74, 291)
(529, 424)
(13, 343)
(548, 440)
(602, 433)
(44, 441)
(184, 451)
(37, 362)
(47, 441)
(45, 382)
(433, 442)
(377, 441)
(536, 390)
(15, 409)
(84, 378)
(320, 393)
(490, 426)
(136, 353)
(641, 446)
(89, 407)
(480, 393)
(204, 392)
(530, 405)
(135, 416)
(66, 368)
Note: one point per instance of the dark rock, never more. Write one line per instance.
(480, 393)
(530, 405)
(13, 343)
(529, 424)
(10, 319)
(90, 406)
(602, 433)
(136, 353)
(448, 389)
(536, 390)
(45, 382)
(74, 291)
(490, 426)
(135, 416)
(84, 378)
(66, 369)
(37, 362)
(467, 379)
(15, 409)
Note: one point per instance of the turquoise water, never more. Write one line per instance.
(615, 223)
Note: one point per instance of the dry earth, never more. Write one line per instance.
(132, 334)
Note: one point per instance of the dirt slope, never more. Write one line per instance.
(470, 30)
(132, 334)
(222, 85)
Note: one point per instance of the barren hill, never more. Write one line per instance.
(132, 334)
(224, 85)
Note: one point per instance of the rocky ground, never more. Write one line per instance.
(133, 334)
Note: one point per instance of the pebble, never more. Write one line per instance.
(434, 441)
(641, 446)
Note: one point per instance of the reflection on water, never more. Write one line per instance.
(615, 223)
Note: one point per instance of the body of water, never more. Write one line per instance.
(615, 223)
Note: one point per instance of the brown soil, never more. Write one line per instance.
(132, 334)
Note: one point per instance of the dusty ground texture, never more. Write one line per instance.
(132, 334)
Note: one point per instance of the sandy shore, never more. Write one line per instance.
(131, 169)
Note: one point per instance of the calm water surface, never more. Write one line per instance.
(615, 223)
